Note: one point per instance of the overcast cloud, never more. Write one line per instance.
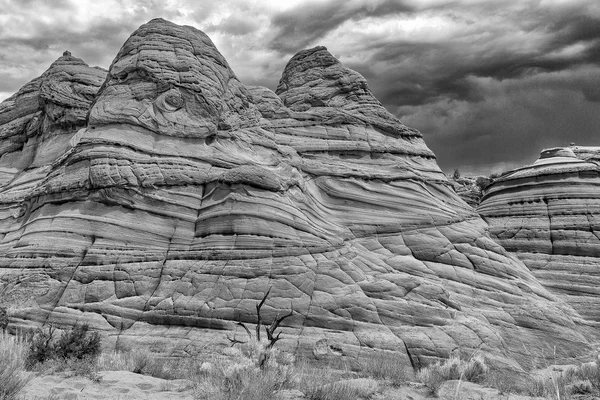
(489, 83)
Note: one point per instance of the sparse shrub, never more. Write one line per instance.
(581, 380)
(41, 347)
(472, 370)
(580, 387)
(140, 360)
(75, 343)
(586, 372)
(13, 377)
(78, 342)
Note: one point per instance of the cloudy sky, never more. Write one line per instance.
(489, 83)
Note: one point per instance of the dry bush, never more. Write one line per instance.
(586, 372)
(583, 380)
(75, 343)
(474, 370)
(13, 355)
(454, 368)
(139, 360)
(550, 387)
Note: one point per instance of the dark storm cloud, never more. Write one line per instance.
(300, 26)
(446, 66)
(516, 119)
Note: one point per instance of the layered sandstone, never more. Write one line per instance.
(548, 214)
(188, 195)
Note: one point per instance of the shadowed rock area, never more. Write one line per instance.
(547, 213)
(188, 195)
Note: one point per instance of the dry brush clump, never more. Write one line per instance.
(13, 375)
(387, 367)
(454, 368)
(77, 343)
(578, 382)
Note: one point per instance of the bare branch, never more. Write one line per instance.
(245, 328)
(276, 323)
(258, 307)
(234, 341)
(273, 340)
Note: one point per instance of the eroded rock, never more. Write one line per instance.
(188, 195)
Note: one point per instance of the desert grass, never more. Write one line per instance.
(454, 368)
(573, 383)
(390, 368)
(13, 376)
(239, 374)
(253, 370)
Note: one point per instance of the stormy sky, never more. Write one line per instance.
(489, 83)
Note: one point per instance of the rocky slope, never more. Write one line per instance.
(188, 195)
(548, 214)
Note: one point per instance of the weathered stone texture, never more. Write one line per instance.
(188, 195)
(548, 214)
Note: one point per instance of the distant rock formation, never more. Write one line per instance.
(188, 195)
(548, 214)
(470, 188)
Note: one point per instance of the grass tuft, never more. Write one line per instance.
(13, 376)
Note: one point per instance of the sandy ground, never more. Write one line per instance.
(121, 385)
(118, 385)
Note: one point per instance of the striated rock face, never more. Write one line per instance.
(188, 195)
(548, 214)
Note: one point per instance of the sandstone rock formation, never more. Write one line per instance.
(189, 194)
(37, 122)
(548, 214)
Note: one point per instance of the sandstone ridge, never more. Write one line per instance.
(188, 195)
(547, 214)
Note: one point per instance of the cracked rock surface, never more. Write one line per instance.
(187, 195)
